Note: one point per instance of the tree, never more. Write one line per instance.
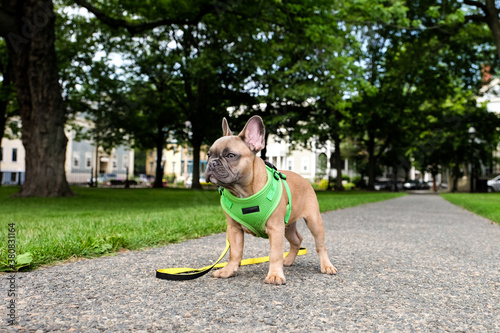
(6, 89)
(487, 12)
(28, 29)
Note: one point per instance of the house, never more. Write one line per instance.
(305, 161)
(81, 157)
(84, 161)
(490, 94)
(177, 160)
(12, 165)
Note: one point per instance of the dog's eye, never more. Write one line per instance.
(230, 155)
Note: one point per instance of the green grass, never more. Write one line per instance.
(101, 221)
(337, 200)
(484, 204)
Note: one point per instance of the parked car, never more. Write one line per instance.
(381, 185)
(104, 179)
(410, 185)
(387, 185)
(494, 184)
(416, 185)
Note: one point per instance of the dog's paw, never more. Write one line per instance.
(330, 270)
(223, 273)
(277, 279)
(288, 261)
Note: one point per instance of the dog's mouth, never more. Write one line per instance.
(219, 176)
(210, 178)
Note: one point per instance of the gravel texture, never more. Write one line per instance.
(412, 264)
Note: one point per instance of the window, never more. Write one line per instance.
(115, 163)
(13, 177)
(289, 164)
(305, 164)
(88, 160)
(14, 154)
(76, 160)
(1, 154)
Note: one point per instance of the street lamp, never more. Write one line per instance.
(472, 136)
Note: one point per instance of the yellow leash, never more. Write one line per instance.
(185, 273)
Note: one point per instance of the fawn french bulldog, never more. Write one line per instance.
(257, 199)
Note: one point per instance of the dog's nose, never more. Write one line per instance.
(214, 163)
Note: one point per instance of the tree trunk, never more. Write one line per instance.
(196, 143)
(43, 115)
(395, 170)
(455, 174)
(4, 102)
(4, 96)
(338, 162)
(371, 163)
(263, 152)
(491, 16)
(160, 142)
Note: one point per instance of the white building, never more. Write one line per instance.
(12, 164)
(303, 161)
(81, 157)
(490, 94)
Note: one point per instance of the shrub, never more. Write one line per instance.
(349, 186)
(170, 178)
(323, 184)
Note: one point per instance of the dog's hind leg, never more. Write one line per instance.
(314, 222)
(295, 239)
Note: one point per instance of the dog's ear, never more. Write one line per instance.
(253, 134)
(225, 128)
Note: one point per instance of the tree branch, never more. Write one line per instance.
(476, 18)
(477, 4)
(135, 27)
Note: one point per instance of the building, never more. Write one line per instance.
(81, 157)
(305, 162)
(490, 94)
(12, 165)
(177, 161)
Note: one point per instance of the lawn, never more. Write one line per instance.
(484, 204)
(101, 221)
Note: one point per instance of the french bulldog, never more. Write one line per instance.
(233, 164)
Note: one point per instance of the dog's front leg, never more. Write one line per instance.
(236, 239)
(275, 229)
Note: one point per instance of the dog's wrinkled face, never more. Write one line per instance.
(230, 159)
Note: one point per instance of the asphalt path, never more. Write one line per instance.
(412, 264)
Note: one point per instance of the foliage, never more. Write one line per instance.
(323, 184)
(394, 79)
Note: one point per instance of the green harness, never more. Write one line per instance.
(254, 211)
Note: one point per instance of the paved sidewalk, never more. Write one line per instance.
(415, 263)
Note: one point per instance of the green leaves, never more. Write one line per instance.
(21, 261)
